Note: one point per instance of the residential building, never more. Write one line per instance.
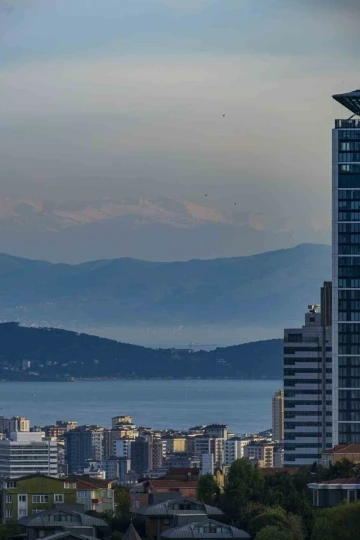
(19, 423)
(93, 493)
(142, 455)
(171, 486)
(278, 416)
(120, 420)
(332, 492)
(207, 464)
(234, 449)
(63, 523)
(216, 431)
(278, 457)
(180, 462)
(207, 445)
(346, 272)
(83, 444)
(163, 516)
(27, 453)
(261, 453)
(118, 468)
(34, 493)
(158, 453)
(308, 385)
(175, 444)
(340, 452)
(122, 448)
(205, 529)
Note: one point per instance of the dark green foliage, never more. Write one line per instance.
(273, 533)
(269, 517)
(208, 490)
(244, 484)
(341, 469)
(122, 501)
(9, 530)
(92, 356)
(341, 522)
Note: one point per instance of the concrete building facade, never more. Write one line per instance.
(346, 272)
(278, 416)
(308, 385)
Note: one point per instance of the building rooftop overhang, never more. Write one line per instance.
(350, 100)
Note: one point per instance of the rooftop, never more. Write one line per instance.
(131, 533)
(350, 100)
(344, 449)
(180, 506)
(205, 529)
(61, 518)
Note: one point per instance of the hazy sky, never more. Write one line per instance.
(99, 97)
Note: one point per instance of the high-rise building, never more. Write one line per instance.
(27, 453)
(278, 415)
(346, 272)
(83, 444)
(234, 449)
(141, 455)
(308, 385)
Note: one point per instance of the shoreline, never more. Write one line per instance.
(140, 379)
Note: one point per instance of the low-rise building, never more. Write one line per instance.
(332, 492)
(34, 493)
(342, 451)
(205, 529)
(162, 516)
(93, 493)
(234, 449)
(64, 524)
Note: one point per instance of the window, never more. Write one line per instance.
(11, 484)
(351, 495)
(58, 498)
(40, 498)
(82, 494)
(70, 485)
(22, 513)
(8, 499)
(22, 498)
(8, 513)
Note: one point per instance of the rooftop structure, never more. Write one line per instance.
(350, 100)
(205, 529)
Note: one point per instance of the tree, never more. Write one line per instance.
(122, 501)
(244, 483)
(341, 469)
(273, 533)
(208, 490)
(270, 517)
(341, 521)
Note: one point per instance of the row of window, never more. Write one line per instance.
(349, 181)
(352, 262)
(294, 350)
(346, 416)
(349, 216)
(349, 328)
(348, 157)
(349, 146)
(299, 392)
(349, 305)
(350, 168)
(349, 295)
(347, 382)
(349, 195)
(346, 206)
(295, 371)
(349, 428)
(349, 371)
(349, 405)
(349, 283)
(349, 228)
(349, 135)
(304, 434)
(290, 457)
(344, 361)
(353, 316)
(349, 394)
(293, 382)
(295, 414)
(292, 361)
(295, 403)
(295, 446)
(58, 498)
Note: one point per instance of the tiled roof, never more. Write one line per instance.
(340, 481)
(344, 449)
(165, 483)
(190, 531)
(84, 482)
(131, 533)
(169, 508)
(40, 520)
(65, 534)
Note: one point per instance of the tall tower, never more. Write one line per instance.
(278, 415)
(346, 272)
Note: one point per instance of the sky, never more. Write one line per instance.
(113, 97)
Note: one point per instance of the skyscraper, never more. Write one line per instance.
(278, 415)
(346, 272)
(308, 385)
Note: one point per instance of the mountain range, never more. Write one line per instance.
(158, 229)
(49, 354)
(271, 289)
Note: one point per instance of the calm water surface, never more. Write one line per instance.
(244, 405)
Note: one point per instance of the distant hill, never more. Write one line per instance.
(265, 290)
(49, 354)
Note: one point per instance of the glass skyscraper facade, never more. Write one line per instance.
(346, 272)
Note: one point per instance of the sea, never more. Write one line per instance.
(245, 406)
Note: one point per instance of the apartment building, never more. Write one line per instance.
(207, 445)
(25, 453)
(234, 449)
(278, 416)
(83, 444)
(261, 453)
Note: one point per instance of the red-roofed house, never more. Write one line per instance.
(342, 451)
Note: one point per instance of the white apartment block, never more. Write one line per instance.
(122, 448)
(27, 453)
(234, 449)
